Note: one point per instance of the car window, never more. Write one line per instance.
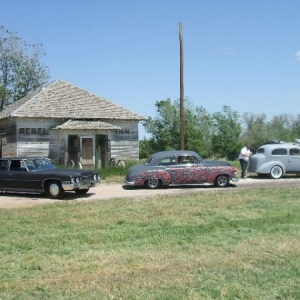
(170, 160)
(39, 164)
(3, 165)
(295, 152)
(261, 150)
(189, 159)
(279, 151)
(17, 165)
(148, 160)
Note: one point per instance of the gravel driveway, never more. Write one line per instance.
(105, 191)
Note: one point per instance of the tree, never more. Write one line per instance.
(165, 128)
(256, 130)
(227, 130)
(21, 71)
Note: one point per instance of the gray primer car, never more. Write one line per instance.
(276, 159)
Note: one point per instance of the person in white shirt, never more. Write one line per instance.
(244, 157)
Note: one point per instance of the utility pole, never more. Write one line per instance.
(181, 90)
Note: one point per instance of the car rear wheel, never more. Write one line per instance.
(153, 183)
(81, 192)
(276, 172)
(54, 190)
(222, 181)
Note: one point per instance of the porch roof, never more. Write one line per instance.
(86, 124)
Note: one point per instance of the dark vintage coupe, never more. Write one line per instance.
(39, 175)
(180, 167)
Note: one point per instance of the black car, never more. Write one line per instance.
(39, 175)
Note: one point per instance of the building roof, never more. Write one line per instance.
(84, 125)
(61, 99)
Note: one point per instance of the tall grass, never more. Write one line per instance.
(197, 246)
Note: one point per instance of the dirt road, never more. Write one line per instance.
(105, 191)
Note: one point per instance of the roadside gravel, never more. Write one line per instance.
(106, 191)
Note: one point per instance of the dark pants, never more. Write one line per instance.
(244, 165)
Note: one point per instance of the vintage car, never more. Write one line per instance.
(39, 175)
(275, 159)
(180, 167)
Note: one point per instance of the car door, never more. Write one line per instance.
(15, 177)
(185, 170)
(293, 164)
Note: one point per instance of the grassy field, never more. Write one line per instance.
(199, 246)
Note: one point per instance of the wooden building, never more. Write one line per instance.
(65, 123)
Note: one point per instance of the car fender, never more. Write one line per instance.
(266, 167)
(162, 175)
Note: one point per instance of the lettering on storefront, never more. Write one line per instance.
(33, 131)
(123, 131)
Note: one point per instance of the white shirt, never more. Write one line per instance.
(245, 154)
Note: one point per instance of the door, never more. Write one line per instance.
(87, 151)
(294, 160)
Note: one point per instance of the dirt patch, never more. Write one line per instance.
(105, 191)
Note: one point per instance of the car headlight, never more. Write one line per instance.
(75, 180)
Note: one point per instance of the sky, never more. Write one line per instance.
(241, 53)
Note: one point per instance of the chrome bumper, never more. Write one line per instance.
(77, 186)
(235, 179)
(128, 182)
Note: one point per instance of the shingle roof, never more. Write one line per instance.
(61, 99)
(71, 124)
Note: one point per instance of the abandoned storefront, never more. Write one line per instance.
(65, 123)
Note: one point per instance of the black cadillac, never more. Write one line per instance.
(39, 175)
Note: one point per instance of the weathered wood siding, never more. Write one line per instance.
(8, 138)
(124, 143)
(35, 138)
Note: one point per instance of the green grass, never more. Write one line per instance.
(199, 246)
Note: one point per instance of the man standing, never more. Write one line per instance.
(244, 159)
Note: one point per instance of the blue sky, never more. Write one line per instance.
(245, 54)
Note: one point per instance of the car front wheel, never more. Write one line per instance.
(153, 183)
(54, 190)
(222, 181)
(276, 172)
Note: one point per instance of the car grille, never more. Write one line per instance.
(86, 179)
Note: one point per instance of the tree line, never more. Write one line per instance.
(217, 135)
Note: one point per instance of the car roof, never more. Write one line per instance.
(21, 158)
(280, 145)
(173, 153)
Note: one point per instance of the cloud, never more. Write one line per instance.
(297, 55)
(227, 50)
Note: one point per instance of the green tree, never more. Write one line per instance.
(227, 130)
(165, 128)
(21, 71)
(282, 128)
(257, 130)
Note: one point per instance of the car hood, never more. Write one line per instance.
(68, 172)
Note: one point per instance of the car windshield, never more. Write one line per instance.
(39, 164)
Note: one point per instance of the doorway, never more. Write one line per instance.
(87, 147)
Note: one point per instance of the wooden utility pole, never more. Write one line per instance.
(181, 90)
